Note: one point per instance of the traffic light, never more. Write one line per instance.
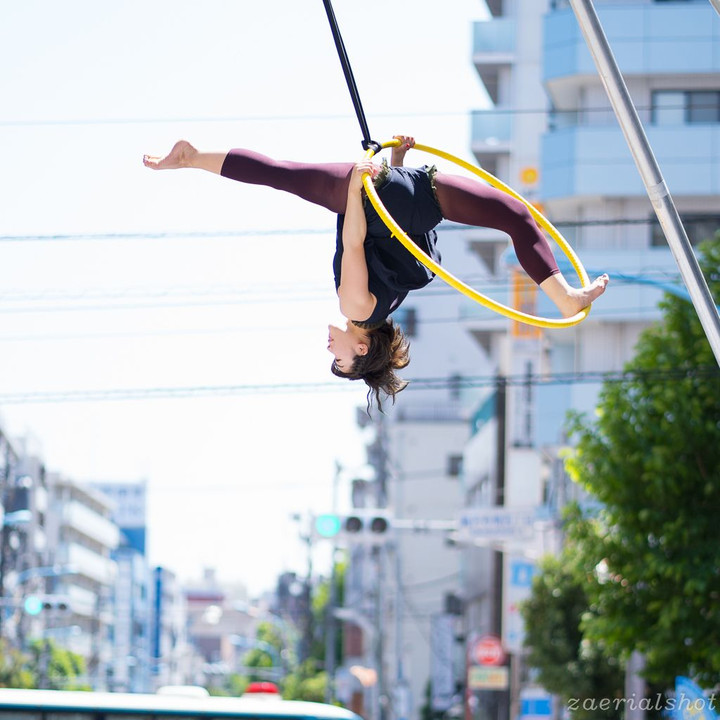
(362, 526)
(35, 604)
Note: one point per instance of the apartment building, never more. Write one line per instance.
(551, 133)
(83, 536)
(482, 438)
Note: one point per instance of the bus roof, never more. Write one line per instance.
(179, 706)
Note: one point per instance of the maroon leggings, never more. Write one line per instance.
(462, 200)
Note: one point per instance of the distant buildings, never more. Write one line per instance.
(74, 570)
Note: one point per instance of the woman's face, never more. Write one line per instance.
(345, 341)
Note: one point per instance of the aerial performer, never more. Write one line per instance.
(373, 271)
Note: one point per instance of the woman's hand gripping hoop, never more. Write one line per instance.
(426, 260)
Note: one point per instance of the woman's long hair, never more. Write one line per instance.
(388, 351)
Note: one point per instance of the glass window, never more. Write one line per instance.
(698, 228)
(668, 107)
(454, 465)
(677, 107)
(703, 106)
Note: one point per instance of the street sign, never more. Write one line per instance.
(497, 523)
(488, 678)
(487, 650)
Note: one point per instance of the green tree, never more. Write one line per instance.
(55, 668)
(569, 665)
(267, 652)
(308, 682)
(15, 671)
(652, 460)
(233, 685)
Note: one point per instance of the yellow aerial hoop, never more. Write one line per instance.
(426, 260)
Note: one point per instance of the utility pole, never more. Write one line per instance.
(330, 620)
(4, 529)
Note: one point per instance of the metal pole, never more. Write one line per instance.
(716, 5)
(330, 621)
(649, 170)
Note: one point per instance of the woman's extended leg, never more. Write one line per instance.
(470, 202)
(323, 184)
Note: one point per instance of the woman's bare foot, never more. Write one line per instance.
(570, 300)
(184, 155)
(181, 156)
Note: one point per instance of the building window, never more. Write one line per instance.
(698, 228)
(455, 382)
(680, 107)
(407, 319)
(703, 106)
(454, 465)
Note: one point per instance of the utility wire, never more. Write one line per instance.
(460, 112)
(438, 383)
(223, 234)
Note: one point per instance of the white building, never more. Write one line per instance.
(552, 124)
(172, 659)
(83, 537)
(550, 134)
(131, 597)
(399, 594)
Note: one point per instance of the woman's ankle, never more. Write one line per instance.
(569, 300)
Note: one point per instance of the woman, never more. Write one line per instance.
(373, 274)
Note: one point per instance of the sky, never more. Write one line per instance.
(129, 298)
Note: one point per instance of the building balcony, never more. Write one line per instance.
(494, 42)
(639, 278)
(595, 160)
(87, 563)
(646, 39)
(491, 132)
(493, 50)
(96, 527)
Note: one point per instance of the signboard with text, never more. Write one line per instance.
(497, 523)
(487, 677)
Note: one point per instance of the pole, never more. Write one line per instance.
(331, 623)
(716, 5)
(652, 178)
(380, 698)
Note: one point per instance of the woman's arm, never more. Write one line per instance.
(356, 300)
(184, 155)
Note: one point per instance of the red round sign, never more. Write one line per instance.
(488, 650)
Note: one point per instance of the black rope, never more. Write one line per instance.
(367, 142)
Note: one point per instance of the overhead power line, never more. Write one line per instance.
(265, 232)
(439, 383)
(459, 112)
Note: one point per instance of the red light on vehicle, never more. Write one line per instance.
(264, 688)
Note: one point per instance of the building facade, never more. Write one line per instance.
(83, 537)
(552, 134)
(132, 587)
(480, 442)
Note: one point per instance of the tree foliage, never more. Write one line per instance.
(652, 460)
(304, 678)
(44, 665)
(14, 668)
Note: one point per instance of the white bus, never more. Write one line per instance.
(75, 705)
